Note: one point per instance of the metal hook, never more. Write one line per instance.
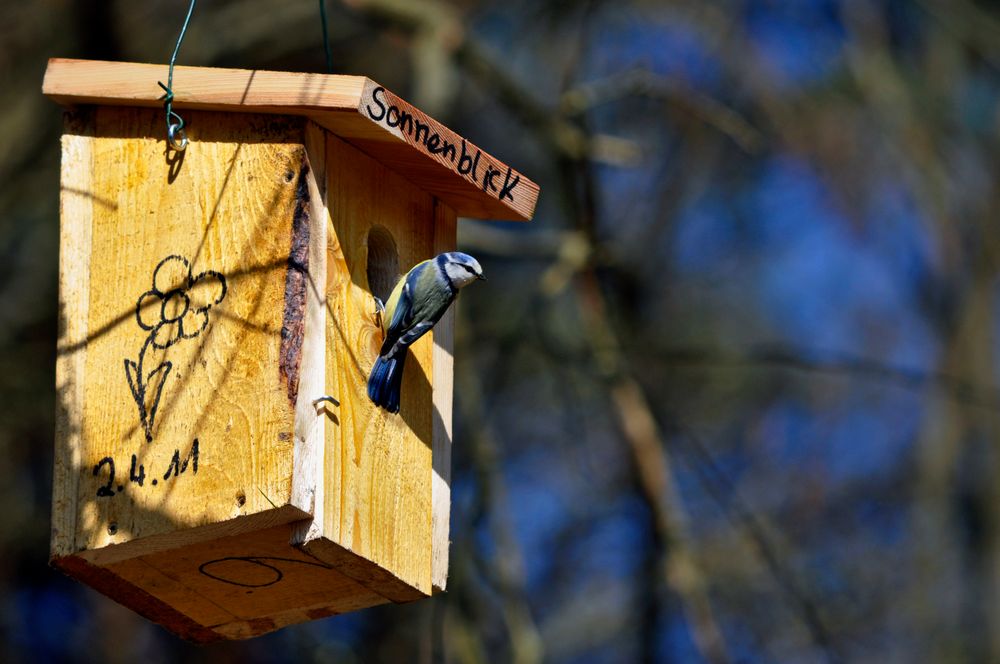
(172, 131)
(175, 123)
(327, 398)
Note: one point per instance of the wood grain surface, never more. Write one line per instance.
(355, 108)
(377, 502)
(445, 238)
(228, 211)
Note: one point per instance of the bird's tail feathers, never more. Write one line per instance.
(385, 381)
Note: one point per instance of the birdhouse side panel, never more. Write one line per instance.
(377, 503)
(75, 212)
(186, 416)
(445, 239)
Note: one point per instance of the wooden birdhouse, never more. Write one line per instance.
(207, 298)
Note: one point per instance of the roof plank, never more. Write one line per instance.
(359, 110)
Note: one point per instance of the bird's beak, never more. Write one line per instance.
(481, 277)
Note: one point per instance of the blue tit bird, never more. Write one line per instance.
(416, 303)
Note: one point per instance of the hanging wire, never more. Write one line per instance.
(176, 137)
(326, 37)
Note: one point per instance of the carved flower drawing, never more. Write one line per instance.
(174, 309)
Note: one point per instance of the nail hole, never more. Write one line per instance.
(112, 528)
(383, 262)
(241, 499)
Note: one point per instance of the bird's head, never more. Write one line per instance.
(462, 269)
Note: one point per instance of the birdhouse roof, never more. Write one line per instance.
(355, 108)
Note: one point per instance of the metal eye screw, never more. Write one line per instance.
(173, 131)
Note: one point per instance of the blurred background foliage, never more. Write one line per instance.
(730, 397)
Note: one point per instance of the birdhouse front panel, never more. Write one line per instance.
(187, 409)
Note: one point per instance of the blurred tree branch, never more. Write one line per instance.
(644, 83)
(526, 643)
(970, 24)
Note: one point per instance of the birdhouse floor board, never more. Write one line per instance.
(111, 585)
(230, 587)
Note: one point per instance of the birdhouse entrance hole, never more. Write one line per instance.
(383, 262)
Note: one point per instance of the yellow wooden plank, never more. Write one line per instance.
(184, 537)
(377, 501)
(223, 382)
(310, 420)
(470, 180)
(76, 202)
(433, 157)
(69, 81)
(445, 236)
